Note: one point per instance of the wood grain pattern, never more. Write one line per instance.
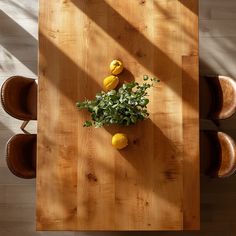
(217, 211)
(82, 182)
(191, 152)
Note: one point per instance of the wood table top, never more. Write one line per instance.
(83, 183)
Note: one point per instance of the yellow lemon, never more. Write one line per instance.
(116, 67)
(119, 141)
(110, 82)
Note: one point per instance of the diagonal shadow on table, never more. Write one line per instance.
(171, 15)
(68, 64)
(146, 45)
(141, 51)
(65, 203)
(191, 5)
(159, 178)
(65, 62)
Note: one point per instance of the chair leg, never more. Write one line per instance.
(24, 124)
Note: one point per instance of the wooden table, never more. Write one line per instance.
(83, 183)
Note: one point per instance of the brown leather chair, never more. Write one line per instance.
(19, 97)
(218, 154)
(21, 155)
(217, 97)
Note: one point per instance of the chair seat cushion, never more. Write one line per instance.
(19, 97)
(21, 155)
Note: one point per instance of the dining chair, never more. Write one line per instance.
(21, 155)
(218, 154)
(19, 98)
(217, 97)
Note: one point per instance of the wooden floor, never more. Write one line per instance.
(18, 55)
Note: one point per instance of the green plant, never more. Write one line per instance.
(125, 106)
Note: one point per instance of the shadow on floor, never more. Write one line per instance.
(15, 40)
(5, 134)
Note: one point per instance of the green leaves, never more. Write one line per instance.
(88, 123)
(126, 106)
